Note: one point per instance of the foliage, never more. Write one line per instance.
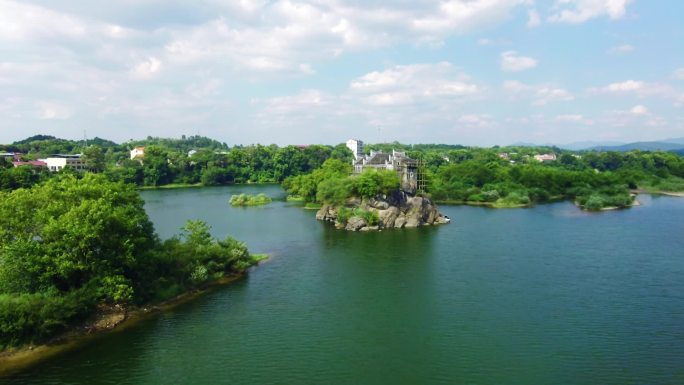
(343, 215)
(370, 216)
(250, 200)
(372, 182)
(72, 243)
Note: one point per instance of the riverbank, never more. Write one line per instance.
(108, 320)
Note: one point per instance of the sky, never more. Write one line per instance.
(473, 72)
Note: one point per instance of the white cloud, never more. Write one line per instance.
(147, 68)
(639, 110)
(579, 11)
(678, 74)
(547, 95)
(305, 101)
(512, 62)
(640, 89)
(477, 121)
(569, 118)
(626, 86)
(533, 19)
(621, 49)
(53, 111)
(25, 22)
(405, 84)
(539, 94)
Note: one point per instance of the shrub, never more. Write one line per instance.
(594, 203)
(250, 200)
(343, 215)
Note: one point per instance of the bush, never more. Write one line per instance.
(343, 215)
(199, 275)
(370, 216)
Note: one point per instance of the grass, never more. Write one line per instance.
(312, 206)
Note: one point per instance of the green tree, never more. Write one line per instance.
(94, 158)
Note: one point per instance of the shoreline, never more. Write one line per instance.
(16, 360)
(174, 186)
(493, 205)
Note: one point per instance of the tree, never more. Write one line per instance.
(94, 158)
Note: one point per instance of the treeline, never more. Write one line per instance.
(499, 176)
(251, 164)
(73, 245)
(191, 160)
(594, 179)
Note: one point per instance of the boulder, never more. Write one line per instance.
(388, 216)
(355, 224)
(442, 219)
(413, 218)
(400, 222)
(415, 202)
(396, 210)
(370, 228)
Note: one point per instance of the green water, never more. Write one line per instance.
(548, 295)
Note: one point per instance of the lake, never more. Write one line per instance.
(546, 295)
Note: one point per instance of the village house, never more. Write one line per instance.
(138, 152)
(545, 157)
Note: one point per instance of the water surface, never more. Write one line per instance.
(547, 295)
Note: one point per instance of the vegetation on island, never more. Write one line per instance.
(333, 183)
(250, 200)
(71, 246)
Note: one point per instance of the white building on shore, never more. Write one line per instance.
(58, 162)
(356, 147)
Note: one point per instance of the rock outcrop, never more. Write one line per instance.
(398, 210)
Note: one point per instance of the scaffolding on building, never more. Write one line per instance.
(412, 168)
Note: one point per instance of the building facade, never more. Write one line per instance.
(356, 147)
(58, 162)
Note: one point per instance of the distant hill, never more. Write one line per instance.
(575, 146)
(672, 144)
(673, 140)
(35, 138)
(642, 146)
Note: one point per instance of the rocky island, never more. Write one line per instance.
(396, 210)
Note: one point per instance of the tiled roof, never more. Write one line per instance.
(34, 163)
(379, 158)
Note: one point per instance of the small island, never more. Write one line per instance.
(380, 191)
(396, 210)
(250, 200)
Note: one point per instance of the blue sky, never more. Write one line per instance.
(475, 72)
